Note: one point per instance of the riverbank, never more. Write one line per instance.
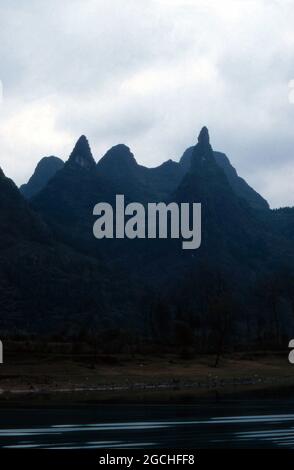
(139, 379)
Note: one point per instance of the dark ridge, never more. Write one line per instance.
(45, 170)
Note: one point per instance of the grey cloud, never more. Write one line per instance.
(150, 74)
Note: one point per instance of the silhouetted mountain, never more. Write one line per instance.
(118, 161)
(67, 202)
(17, 221)
(230, 224)
(284, 221)
(239, 258)
(239, 185)
(165, 178)
(45, 285)
(239, 281)
(81, 155)
(46, 168)
(120, 168)
(281, 222)
(230, 228)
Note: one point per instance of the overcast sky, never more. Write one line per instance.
(150, 74)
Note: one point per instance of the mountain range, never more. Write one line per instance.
(55, 275)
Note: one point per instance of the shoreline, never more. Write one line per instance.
(124, 379)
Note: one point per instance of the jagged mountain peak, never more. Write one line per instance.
(240, 187)
(81, 155)
(203, 137)
(202, 153)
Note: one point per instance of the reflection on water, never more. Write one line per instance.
(244, 430)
